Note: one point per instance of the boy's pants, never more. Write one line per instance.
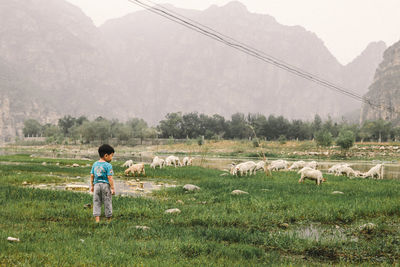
(102, 193)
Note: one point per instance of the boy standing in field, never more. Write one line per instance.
(102, 183)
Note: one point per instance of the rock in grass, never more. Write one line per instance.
(87, 205)
(12, 239)
(284, 225)
(190, 187)
(75, 165)
(173, 211)
(337, 192)
(142, 227)
(238, 192)
(367, 228)
(44, 163)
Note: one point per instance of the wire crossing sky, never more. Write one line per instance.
(345, 26)
(209, 32)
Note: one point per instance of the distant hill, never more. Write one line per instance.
(54, 45)
(174, 69)
(385, 88)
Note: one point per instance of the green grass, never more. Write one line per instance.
(214, 228)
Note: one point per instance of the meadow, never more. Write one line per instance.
(279, 222)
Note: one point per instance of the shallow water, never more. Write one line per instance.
(131, 188)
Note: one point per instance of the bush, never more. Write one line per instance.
(323, 138)
(200, 140)
(345, 139)
(282, 139)
(256, 142)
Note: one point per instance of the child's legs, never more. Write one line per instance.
(107, 198)
(97, 197)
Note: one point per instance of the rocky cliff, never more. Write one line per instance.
(385, 89)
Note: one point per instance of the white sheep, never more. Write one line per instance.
(136, 168)
(377, 171)
(309, 173)
(260, 166)
(128, 163)
(297, 165)
(312, 164)
(187, 161)
(157, 162)
(276, 165)
(245, 168)
(347, 170)
(172, 160)
(336, 166)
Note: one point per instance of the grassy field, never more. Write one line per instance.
(280, 222)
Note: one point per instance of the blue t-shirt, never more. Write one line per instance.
(101, 171)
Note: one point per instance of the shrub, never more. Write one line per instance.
(282, 139)
(345, 139)
(323, 138)
(256, 142)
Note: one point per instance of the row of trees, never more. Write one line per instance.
(193, 125)
(87, 131)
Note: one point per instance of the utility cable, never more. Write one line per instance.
(209, 32)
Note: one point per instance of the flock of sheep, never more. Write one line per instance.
(307, 170)
(157, 162)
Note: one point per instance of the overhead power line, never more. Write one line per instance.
(231, 42)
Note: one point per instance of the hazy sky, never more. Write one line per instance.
(345, 26)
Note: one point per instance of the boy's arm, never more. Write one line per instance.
(110, 179)
(91, 182)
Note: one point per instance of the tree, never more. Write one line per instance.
(172, 125)
(239, 128)
(32, 128)
(345, 139)
(66, 124)
(191, 125)
(317, 123)
(323, 138)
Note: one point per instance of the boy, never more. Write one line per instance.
(102, 183)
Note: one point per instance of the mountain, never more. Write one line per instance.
(54, 62)
(172, 68)
(385, 89)
(57, 48)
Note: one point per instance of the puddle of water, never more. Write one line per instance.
(131, 188)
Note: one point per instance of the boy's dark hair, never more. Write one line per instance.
(105, 149)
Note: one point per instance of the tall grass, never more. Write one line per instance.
(213, 228)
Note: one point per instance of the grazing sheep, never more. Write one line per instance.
(260, 166)
(347, 170)
(312, 164)
(245, 168)
(172, 160)
(309, 173)
(136, 168)
(187, 161)
(276, 165)
(128, 163)
(336, 166)
(297, 165)
(377, 171)
(157, 162)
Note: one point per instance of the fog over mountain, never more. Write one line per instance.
(54, 61)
